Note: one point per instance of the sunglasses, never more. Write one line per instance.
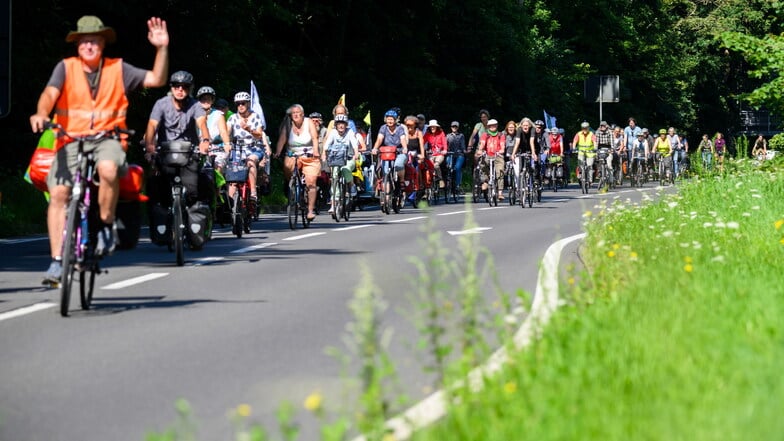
(242, 103)
(180, 86)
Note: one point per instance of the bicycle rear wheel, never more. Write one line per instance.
(292, 209)
(177, 229)
(69, 254)
(347, 200)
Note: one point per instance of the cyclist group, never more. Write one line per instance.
(88, 94)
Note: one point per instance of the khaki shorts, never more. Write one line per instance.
(64, 163)
(310, 166)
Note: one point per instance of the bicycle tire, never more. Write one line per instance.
(69, 255)
(245, 209)
(338, 200)
(177, 224)
(303, 204)
(291, 208)
(86, 287)
(347, 201)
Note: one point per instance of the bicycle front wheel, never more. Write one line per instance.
(69, 254)
(177, 230)
(86, 285)
(292, 208)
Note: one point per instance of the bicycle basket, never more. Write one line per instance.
(603, 153)
(236, 172)
(337, 157)
(388, 153)
(176, 153)
(554, 159)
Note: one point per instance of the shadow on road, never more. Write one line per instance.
(114, 305)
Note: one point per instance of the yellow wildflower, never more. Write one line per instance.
(633, 255)
(687, 259)
(313, 402)
(688, 268)
(616, 246)
(243, 410)
(782, 241)
(611, 253)
(779, 223)
(587, 214)
(389, 437)
(570, 280)
(510, 388)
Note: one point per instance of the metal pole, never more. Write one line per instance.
(601, 97)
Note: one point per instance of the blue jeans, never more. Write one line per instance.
(677, 155)
(458, 166)
(707, 159)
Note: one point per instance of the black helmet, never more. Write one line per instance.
(315, 115)
(182, 77)
(205, 90)
(539, 123)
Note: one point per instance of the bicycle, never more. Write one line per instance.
(526, 181)
(665, 175)
(492, 185)
(511, 179)
(585, 175)
(604, 171)
(242, 206)
(478, 191)
(81, 220)
(176, 155)
(450, 178)
(638, 171)
(555, 172)
(298, 194)
(340, 197)
(389, 190)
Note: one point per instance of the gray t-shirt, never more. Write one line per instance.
(133, 77)
(177, 124)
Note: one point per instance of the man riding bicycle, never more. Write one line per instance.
(179, 117)
(88, 94)
(585, 141)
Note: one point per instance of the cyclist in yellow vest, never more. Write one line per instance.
(663, 149)
(585, 142)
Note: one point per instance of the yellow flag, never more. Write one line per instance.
(342, 100)
(367, 118)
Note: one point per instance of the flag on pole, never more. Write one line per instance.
(367, 119)
(342, 100)
(549, 120)
(255, 104)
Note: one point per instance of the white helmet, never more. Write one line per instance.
(241, 96)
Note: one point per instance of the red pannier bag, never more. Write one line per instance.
(388, 153)
(40, 165)
(131, 184)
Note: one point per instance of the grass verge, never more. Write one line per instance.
(674, 330)
(22, 207)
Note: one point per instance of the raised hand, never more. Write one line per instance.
(157, 32)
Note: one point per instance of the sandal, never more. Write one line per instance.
(311, 216)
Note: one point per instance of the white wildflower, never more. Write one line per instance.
(746, 214)
(756, 207)
(755, 195)
(667, 233)
(718, 259)
(661, 219)
(707, 225)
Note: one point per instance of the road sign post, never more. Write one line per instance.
(602, 89)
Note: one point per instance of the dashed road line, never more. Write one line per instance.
(253, 248)
(25, 310)
(353, 227)
(304, 236)
(452, 213)
(396, 221)
(492, 208)
(207, 260)
(475, 230)
(135, 281)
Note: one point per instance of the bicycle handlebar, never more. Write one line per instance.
(116, 132)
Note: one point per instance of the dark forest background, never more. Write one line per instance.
(444, 59)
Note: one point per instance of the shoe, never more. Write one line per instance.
(54, 273)
(311, 216)
(331, 210)
(500, 196)
(107, 240)
(253, 197)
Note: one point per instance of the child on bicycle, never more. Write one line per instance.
(341, 148)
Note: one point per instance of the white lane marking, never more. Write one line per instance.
(492, 208)
(557, 200)
(469, 231)
(22, 240)
(26, 310)
(303, 236)
(406, 220)
(253, 248)
(452, 212)
(135, 281)
(353, 227)
(433, 408)
(207, 260)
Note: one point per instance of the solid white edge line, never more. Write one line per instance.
(134, 281)
(491, 208)
(544, 304)
(353, 227)
(22, 240)
(303, 236)
(253, 248)
(405, 220)
(25, 310)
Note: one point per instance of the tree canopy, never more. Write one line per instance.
(444, 59)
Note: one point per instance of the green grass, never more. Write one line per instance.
(674, 331)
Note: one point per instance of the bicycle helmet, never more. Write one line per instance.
(315, 115)
(181, 77)
(391, 113)
(662, 131)
(455, 124)
(554, 130)
(539, 123)
(241, 96)
(341, 118)
(205, 90)
(585, 125)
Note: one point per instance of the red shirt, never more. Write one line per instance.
(494, 145)
(556, 144)
(437, 142)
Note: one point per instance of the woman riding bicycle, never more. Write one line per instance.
(342, 142)
(436, 141)
(298, 134)
(493, 144)
(247, 132)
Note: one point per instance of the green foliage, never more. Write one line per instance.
(22, 207)
(766, 55)
(777, 142)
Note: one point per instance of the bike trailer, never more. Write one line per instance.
(176, 153)
(131, 184)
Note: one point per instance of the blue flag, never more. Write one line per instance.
(549, 120)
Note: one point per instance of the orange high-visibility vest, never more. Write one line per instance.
(78, 112)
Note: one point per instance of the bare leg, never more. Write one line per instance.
(55, 218)
(108, 191)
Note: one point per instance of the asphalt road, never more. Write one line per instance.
(245, 321)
